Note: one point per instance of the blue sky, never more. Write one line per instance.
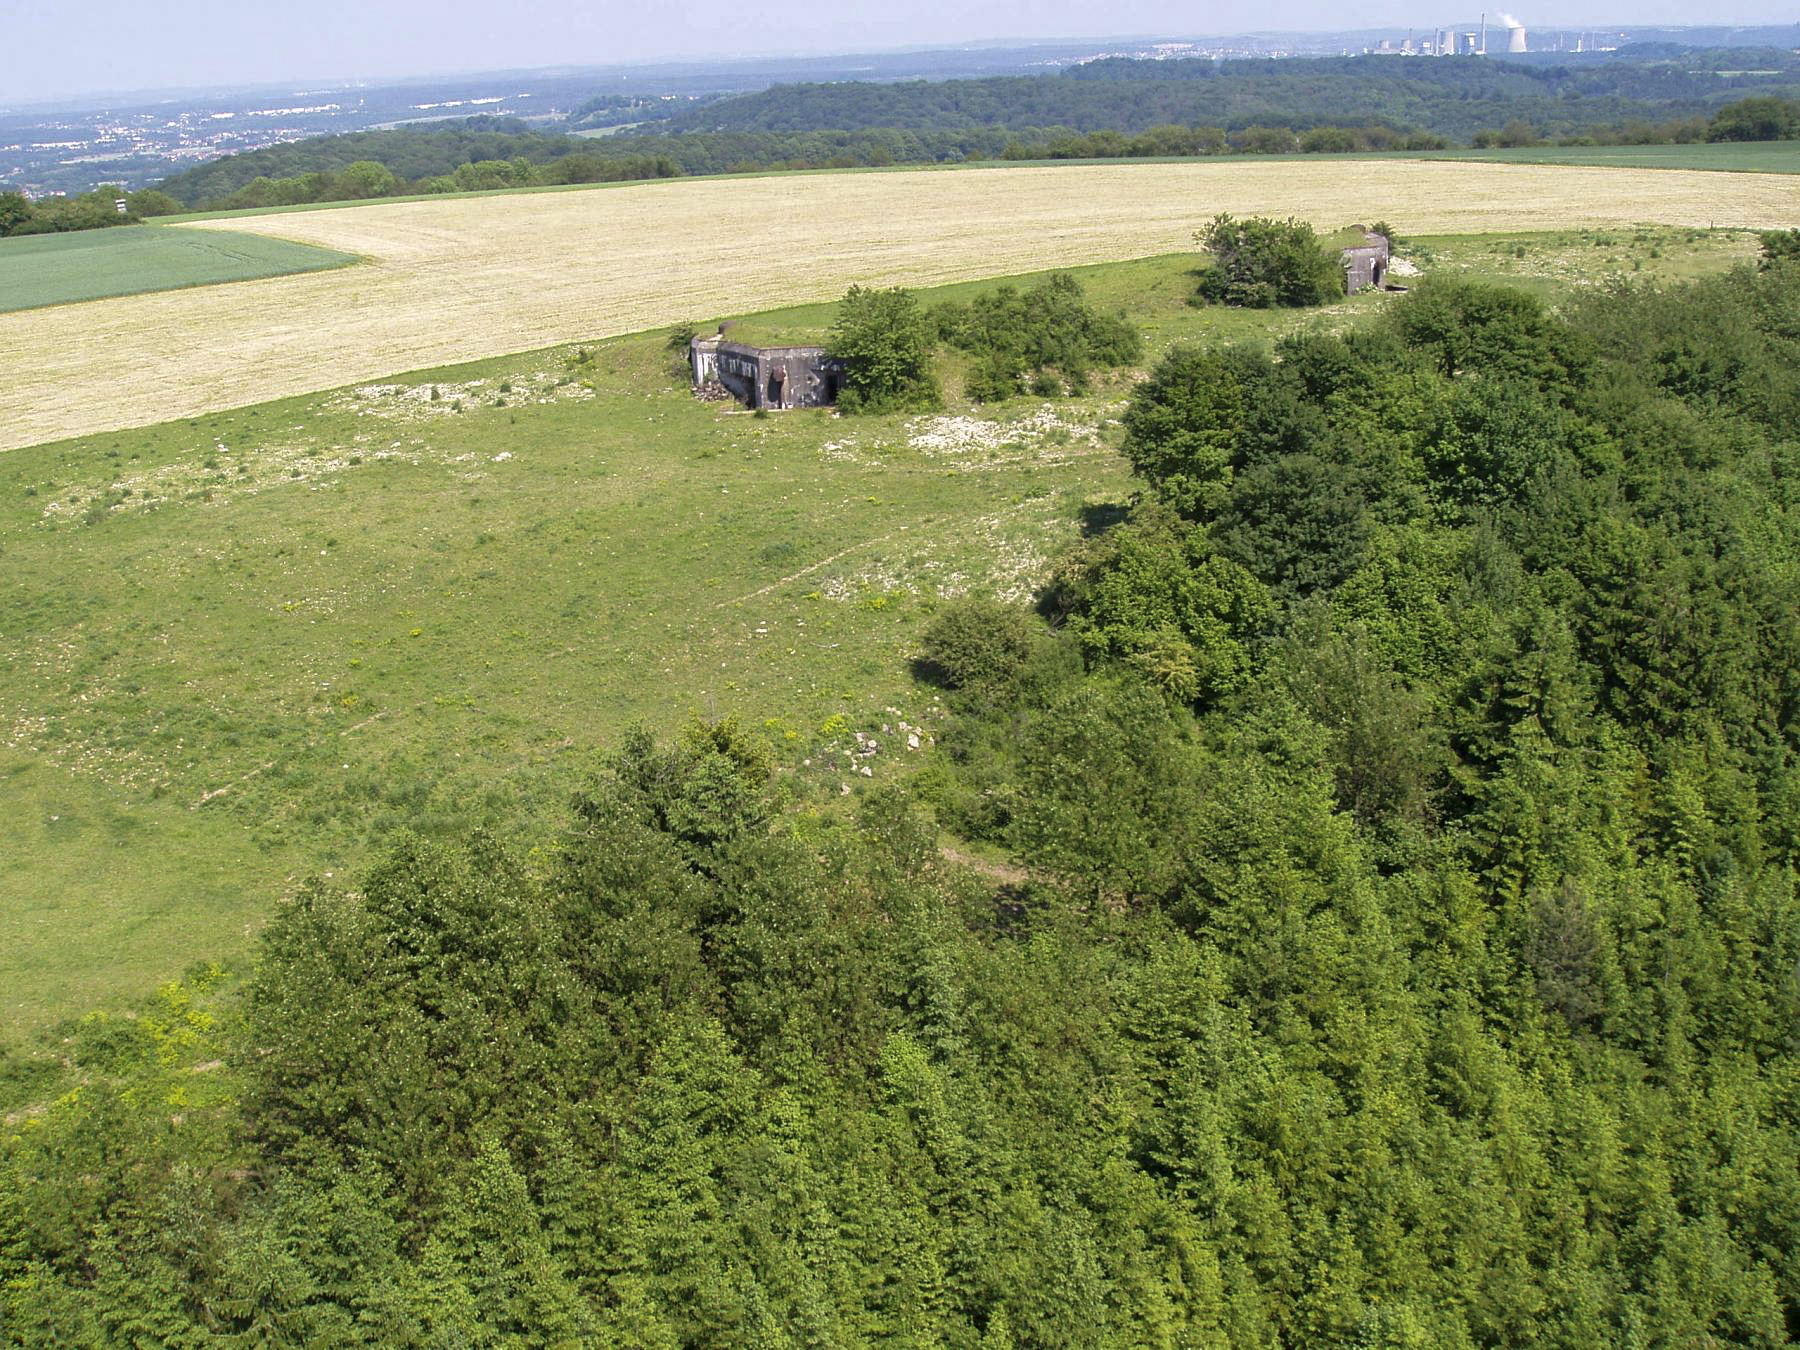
(54, 48)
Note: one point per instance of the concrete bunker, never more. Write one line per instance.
(765, 377)
(1366, 264)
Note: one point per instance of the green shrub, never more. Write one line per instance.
(995, 379)
(1329, 141)
(1777, 246)
(883, 340)
(1260, 263)
(977, 644)
(1018, 335)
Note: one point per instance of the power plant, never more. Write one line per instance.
(1451, 40)
(1474, 41)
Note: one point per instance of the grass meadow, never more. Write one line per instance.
(464, 279)
(58, 269)
(242, 647)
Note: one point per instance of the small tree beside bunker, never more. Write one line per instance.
(885, 343)
(1260, 263)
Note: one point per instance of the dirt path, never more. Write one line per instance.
(803, 572)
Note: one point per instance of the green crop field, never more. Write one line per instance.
(1730, 157)
(246, 646)
(54, 269)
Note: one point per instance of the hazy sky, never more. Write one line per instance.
(55, 48)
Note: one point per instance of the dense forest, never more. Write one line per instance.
(470, 154)
(1398, 945)
(1453, 98)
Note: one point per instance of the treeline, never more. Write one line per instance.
(1763, 118)
(1759, 118)
(1402, 950)
(633, 157)
(1186, 142)
(366, 180)
(1450, 98)
(410, 154)
(88, 211)
(376, 164)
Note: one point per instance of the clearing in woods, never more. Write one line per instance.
(59, 269)
(464, 279)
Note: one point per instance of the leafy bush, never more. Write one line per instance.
(977, 644)
(1756, 119)
(1260, 263)
(1471, 327)
(1024, 334)
(1183, 428)
(1517, 134)
(1779, 246)
(885, 343)
(1264, 140)
(1329, 141)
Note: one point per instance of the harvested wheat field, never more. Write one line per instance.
(458, 279)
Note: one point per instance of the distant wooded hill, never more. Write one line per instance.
(409, 153)
(1104, 109)
(1453, 97)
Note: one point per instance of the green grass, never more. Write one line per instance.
(246, 647)
(1554, 265)
(54, 269)
(808, 329)
(1748, 157)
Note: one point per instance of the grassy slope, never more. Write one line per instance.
(55, 269)
(316, 621)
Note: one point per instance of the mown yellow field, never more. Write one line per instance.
(459, 279)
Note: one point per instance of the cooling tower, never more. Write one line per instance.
(1515, 40)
